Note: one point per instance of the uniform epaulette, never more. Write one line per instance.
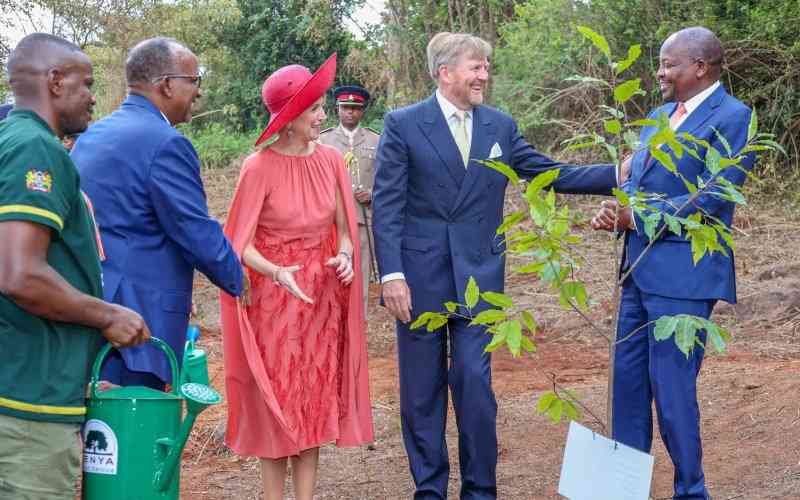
(327, 130)
(371, 130)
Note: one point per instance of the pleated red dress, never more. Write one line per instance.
(295, 373)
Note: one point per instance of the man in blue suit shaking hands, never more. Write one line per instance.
(666, 281)
(143, 177)
(435, 215)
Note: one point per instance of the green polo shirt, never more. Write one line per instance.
(44, 365)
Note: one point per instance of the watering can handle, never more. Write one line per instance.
(173, 363)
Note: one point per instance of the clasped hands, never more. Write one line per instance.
(612, 216)
(284, 276)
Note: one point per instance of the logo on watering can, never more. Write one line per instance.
(100, 453)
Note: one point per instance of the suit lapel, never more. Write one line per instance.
(703, 112)
(693, 122)
(437, 132)
(483, 134)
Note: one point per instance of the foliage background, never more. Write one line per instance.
(240, 42)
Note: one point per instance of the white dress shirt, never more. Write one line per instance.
(695, 103)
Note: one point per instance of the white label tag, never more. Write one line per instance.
(100, 452)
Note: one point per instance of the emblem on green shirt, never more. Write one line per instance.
(39, 180)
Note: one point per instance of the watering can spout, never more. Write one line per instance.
(198, 398)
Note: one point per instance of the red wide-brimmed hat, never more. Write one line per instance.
(289, 91)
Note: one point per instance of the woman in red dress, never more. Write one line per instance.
(295, 356)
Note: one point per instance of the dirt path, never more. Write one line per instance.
(749, 400)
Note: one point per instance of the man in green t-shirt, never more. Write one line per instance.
(51, 317)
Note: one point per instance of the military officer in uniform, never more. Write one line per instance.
(358, 145)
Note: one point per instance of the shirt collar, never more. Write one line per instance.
(351, 134)
(448, 108)
(698, 99)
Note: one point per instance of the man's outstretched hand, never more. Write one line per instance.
(610, 212)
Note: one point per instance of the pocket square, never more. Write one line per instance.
(496, 152)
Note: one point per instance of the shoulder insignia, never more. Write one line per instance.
(39, 180)
(327, 130)
(372, 130)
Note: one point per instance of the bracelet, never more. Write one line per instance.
(349, 257)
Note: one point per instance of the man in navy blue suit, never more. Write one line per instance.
(435, 215)
(143, 177)
(666, 281)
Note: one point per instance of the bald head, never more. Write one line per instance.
(34, 57)
(690, 61)
(151, 59)
(167, 73)
(700, 44)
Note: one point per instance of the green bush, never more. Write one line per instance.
(218, 146)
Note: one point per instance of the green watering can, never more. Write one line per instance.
(133, 436)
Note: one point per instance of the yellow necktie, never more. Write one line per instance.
(461, 137)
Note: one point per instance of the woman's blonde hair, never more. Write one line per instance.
(445, 48)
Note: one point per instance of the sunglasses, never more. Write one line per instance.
(194, 79)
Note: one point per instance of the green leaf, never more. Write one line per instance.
(752, 129)
(665, 327)
(613, 126)
(529, 322)
(613, 112)
(673, 224)
(451, 307)
(723, 140)
(634, 51)
(509, 221)
(541, 181)
(612, 152)
(597, 39)
(503, 169)
(685, 333)
(556, 410)
(573, 292)
(571, 410)
(772, 144)
(513, 336)
(545, 400)
(436, 322)
(625, 90)
(717, 336)
(472, 294)
(632, 139)
(498, 299)
(498, 339)
(713, 161)
(422, 320)
(552, 272)
(644, 122)
(534, 267)
(650, 224)
(664, 158)
(489, 316)
(527, 344)
(621, 196)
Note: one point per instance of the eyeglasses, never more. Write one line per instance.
(194, 79)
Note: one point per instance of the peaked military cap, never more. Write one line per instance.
(352, 95)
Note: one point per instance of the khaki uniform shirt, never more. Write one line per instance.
(364, 145)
